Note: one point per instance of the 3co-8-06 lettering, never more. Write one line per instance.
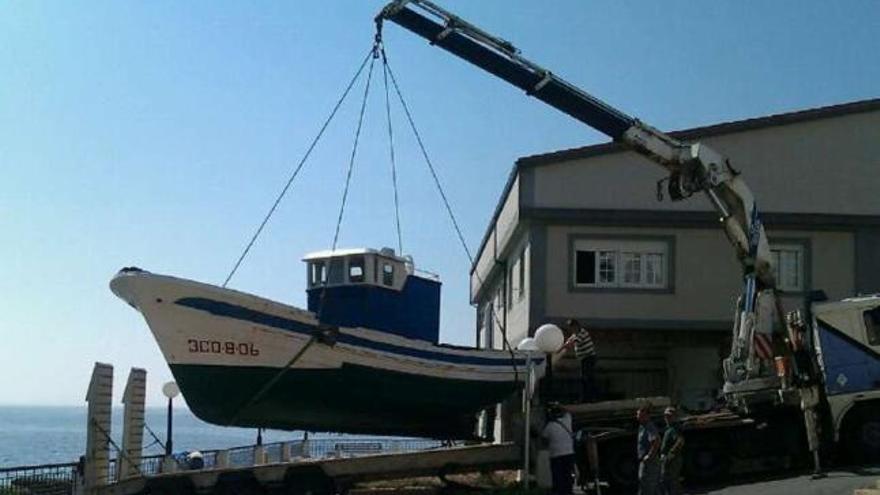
(222, 347)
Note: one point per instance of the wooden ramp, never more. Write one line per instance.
(323, 476)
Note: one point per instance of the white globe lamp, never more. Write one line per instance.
(527, 344)
(170, 390)
(549, 338)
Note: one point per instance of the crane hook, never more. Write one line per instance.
(377, 39)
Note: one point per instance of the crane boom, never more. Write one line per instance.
(693, 168)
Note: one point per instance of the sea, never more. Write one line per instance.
(33, 435)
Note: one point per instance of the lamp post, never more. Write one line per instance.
(548, 339)
(170, 390)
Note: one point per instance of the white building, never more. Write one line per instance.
(580, 234)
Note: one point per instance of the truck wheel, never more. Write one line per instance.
(169, 485)
(862, 435)
(705, 461)
(308, 480)
(235, 483)
(619, 466)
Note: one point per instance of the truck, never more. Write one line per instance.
(799, 385)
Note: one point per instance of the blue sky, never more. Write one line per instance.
(157, 134)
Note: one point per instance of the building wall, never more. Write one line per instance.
(483, 271)
(508, 289)
(672, 342)
(706, 283)
(789, 169)
(868, 260)
(518, 302)
(501, 232)
(813, 176)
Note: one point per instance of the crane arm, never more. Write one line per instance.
(693, 168)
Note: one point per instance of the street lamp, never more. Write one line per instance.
(170, 390)
(548, 339)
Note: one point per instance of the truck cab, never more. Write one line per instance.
(847, 336)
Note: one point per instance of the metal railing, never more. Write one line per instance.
(59, 479)
(322, 448)
(44, 479)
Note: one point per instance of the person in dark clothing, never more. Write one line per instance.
(560, 444)
(647, 449)
(585, 351)
(671, 454)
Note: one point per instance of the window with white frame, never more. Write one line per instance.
(516, 279)
(789, 266)
(628, 264)
(511, 285)
(521, 274)
(486, 326)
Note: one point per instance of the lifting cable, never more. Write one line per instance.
(319, 335)
(449, 211)
(376, 51)
(299, 167)
(430, 164)
(391, 149)
(120, 454)
(354, 148)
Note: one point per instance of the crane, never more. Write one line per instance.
(693, 168)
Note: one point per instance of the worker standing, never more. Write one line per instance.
(560, 445)
(585, 351)
(648, 449)
(670, 454)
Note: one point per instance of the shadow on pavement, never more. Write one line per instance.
(837, 473)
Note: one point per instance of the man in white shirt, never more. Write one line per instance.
(560, 445)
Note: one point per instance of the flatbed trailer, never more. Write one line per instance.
(323, 476)
(718, 445)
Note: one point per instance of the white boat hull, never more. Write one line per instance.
(247, 361)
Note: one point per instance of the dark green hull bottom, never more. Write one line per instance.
(353, 399)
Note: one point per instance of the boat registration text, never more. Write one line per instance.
(222, 347)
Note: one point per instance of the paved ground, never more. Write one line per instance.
(841, 482)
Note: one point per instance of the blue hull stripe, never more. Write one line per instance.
(227, 310)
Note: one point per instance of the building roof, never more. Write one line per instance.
(691, 134)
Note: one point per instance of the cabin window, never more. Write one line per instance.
(318, 275)
(872, 325)
(356, 269)
(387, 274)
(336, 271)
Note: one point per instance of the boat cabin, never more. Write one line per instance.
(375, 289)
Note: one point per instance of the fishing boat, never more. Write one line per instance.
(363, 358)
